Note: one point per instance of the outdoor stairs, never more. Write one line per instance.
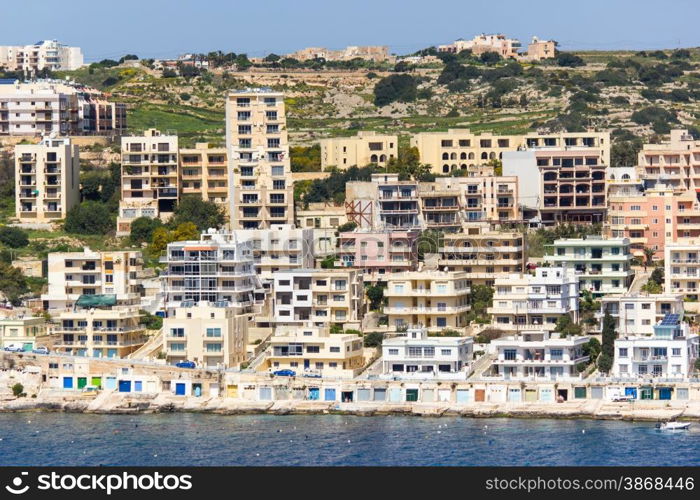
(482, 364)
(149, 348)
(257, 360)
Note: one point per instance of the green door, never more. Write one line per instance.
(647, 393)
(27, 346)
(411, 394)
(96, 381)
(82, 382)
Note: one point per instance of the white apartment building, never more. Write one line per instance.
(210, 291)
(72, 274)
(366, 148)
(638, 313)
(310, 350)
(682, 267)
(436, 300)
(535, 302)
(261, 190)
(537, 355)
(47, 179)
(46, 54)
(150, 178)
(414, 355)
(320, 297)
(324, 219)
(602, 265)
(37, 109)
(667, 354)
(276, 248)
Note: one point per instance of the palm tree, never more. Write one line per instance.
(649, 256)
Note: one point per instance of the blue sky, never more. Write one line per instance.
(160, 28)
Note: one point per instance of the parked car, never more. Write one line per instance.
(14, 348)
(624, 399)
(284, 373)
(40, 350)
(185, 364)
(311, 374)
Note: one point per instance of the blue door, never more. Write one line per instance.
(631, 391)
(179, 389)
(197, 390)
(329, 395)
(138, 386)
(67, 382)
(314, 393)
(306, 364)
(110, 383)
(125, 386)
(665, 393)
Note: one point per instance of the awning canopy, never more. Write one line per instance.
(96, 300)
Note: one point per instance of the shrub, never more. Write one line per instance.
(569, 60)
(398, 87)
(90, 217)
(373, 339)
(17, 389)
(13, 237)
(142, 229)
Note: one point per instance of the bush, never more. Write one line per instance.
(185, 96)
(605, 363)
(204, 214)
(399, 87)
(373, 339)
(569, 60)
(490, 57)
(347, 227)
(13, 237)
(90, 217)
(17, 390)
(142, 229)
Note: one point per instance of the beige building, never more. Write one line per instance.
(313, 350)
(150, 178)
(203, 172)
(21, 331)
(437, 300)
(320, 297)
(323, 219)
(498, 43)
(540, 49)
(47, 180)
(682, 268)
(461, 149)
(261, 192)
(44, 55)
(675, 163)
(482, 253)
(72, 274)
(98, 332)
(365, 148)
(377, 53)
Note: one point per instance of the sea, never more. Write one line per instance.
(182, 439)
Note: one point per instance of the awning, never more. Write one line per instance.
(96, 300)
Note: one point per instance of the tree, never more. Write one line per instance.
(17, 390)
(649, 256)
(13, 284)
(373, 339)
(129, 57)
(90, 217)
(609, 335)
(592, 349)
(490, 58)
(657, 276)
(13, 237)
(347, 227)
(605, 362)
(272, 58)
(375, 294)
(184, 232)
(566, 327)
(159, 240)
(569, 60)
(204, 214)
(396, 87)
(142, 229)
(328, 262)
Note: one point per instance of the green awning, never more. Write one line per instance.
(96, 300)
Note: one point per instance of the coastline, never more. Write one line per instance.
(647, 411)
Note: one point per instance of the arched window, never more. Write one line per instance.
(445, 156)
(453, 156)
(463, 166)
(471, 156)
(373, 159)
(382, 158)
(463, 156)
(484, 156)
(445, 169)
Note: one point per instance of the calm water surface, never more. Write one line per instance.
(192, 439)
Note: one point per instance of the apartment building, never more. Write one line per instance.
(44, 55)
(378, 253)
(562, 184)
(481, 198)
(540, 49)
(675, 163)
(482, 253)
(277, 248)
(98, 330)
(436, 300)
(312, 350)
(460, 149)
(535, 302)
(21, 331)
(45, 107)
(602, 265)
(498, 43)
(72, 274)
(383, 203)
(150, 178)
(203, 172)
(211, 334)
(320, 297)
(537, 355)
(376, 53)
(682, 268)
(324, 219)
(47, 179)
(653, 218)
(367, 147)
(667, 354)
(638, 313)
(261, 192)
(414, 355)
(210, 293)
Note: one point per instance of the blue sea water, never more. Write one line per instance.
(56, 439)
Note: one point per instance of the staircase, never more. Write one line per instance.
(257, 360)
(482, 364)
(150, 348)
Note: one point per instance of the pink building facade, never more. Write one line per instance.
(378, 253)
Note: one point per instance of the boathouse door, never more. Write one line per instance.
(307, 364)
(179, 389)
(480, 395)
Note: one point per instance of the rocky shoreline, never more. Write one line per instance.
(649, 411)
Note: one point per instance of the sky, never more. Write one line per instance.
(167, 28)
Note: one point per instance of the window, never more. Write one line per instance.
(445, 352)
(177, 332)
(393, 352)
(335, 349)
(622, 352)
(216, 347)
(314, 349)
(213, 332)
